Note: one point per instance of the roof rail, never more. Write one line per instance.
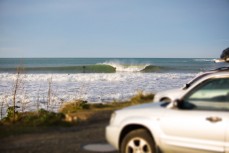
(222, 69)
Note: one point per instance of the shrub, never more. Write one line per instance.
(39, 118)
(12, 114)
(43, 118)
(141, 98)
(73, 107)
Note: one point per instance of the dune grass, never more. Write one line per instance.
(80, 105)
(79, 110)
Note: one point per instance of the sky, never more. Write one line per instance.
(114, 28)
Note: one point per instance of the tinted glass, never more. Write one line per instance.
(211, 95)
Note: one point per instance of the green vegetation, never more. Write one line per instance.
(80, 105)
(141, 98)
(79, 110)
(38, 118)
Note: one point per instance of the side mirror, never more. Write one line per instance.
(183, 104)
(174, 104)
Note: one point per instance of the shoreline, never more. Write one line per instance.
(51, 91)
(68, 114)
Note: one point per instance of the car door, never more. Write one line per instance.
(227, 139)
(200, 123)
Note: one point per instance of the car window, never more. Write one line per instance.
(210, 95)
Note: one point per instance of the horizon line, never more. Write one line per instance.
(113, 57)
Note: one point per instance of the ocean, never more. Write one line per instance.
(105, 65)
(92, 79)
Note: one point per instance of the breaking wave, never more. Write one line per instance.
(132, 67)
(97, 68)
(203, 60)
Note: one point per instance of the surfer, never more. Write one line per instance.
(84, 67)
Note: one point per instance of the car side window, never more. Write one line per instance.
(210, 95)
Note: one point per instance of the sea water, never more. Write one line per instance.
(92, 79)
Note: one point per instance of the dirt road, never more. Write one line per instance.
(58, 139)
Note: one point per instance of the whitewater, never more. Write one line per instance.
(93, 80)
(94, 87)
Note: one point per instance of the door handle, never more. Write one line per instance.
(214, 119)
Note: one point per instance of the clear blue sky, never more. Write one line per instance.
(114, 28)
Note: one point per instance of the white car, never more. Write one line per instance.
(197, 123)
(174, 94)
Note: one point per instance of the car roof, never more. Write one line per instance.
(220, 69)
(208, 74)
(213, 71)
(217, 74)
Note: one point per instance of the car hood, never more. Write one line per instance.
(151, 105)
(144, 109)
(172, 94)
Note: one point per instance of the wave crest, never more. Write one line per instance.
(203, 60)
(120, 67)
(127, 67)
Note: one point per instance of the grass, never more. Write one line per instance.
(34, 119)
(81, 111)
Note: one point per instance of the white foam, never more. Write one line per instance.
(126, 67)
(204, 59)
(92, 87)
